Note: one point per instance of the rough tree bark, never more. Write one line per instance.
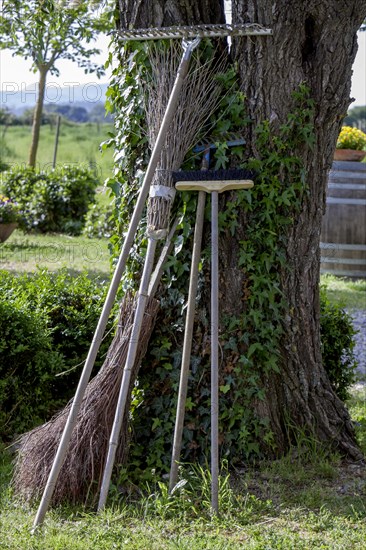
(313, 42)
(162, 13)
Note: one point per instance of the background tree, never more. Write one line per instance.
(6, 120)
(356, 117)
(46, 31)
(296, 86)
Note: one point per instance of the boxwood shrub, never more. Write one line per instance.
(337, 339)
(100, 222)
(54, 201)
(28, 365)
(46, 327)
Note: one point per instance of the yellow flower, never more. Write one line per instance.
(351, 138)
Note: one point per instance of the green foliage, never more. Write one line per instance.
(337, 334)
(357, 408)
(28, 365)
(55, 201)
(4, 152)
(9, 210)
(63, 312)
(129, 140)
(99, 222)
(6, 117)
(191, 496)
(47, 31)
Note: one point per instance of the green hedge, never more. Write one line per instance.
(28, 365)
(337, 340)
(56, 314)
(55, 201)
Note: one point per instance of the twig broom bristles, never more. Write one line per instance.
(80, 476)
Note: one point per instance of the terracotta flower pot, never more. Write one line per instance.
(6, 229)
(349, 154)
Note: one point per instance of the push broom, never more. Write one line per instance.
(212, 182)
(191, 37)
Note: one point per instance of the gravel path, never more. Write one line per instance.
(359, 322)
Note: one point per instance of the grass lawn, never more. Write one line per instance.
(25, 253)
(306, 500)
(22, 252)
(350, 293)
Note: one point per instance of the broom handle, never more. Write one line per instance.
(187, 345)
(98, 335)
(214, 354)
(130, 360)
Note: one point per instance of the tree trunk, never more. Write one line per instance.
(37, 117)
(160, 13)
(313, 43)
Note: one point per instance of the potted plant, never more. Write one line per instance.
(9, 217)
(351, 144)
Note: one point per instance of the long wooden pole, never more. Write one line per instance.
(130, 361)
(187, 344)
(214, 353)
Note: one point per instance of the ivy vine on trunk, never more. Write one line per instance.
(293, 94)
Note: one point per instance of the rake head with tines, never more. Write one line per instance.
(194, 31)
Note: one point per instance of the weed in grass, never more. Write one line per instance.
(327, 469)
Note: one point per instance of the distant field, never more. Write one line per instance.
(78, 143)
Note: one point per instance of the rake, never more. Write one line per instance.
(190, 36)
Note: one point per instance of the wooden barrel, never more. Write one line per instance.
(343, 236)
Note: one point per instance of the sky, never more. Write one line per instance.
(15, 74)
